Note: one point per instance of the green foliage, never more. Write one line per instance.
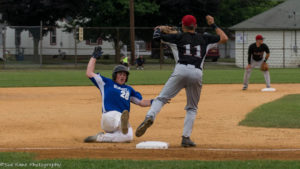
(107, 13)
(235, 11)
(281, 113)
(30, 13)
(172, 11)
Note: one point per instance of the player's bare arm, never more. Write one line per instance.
(211, 22)
(267, 56)
(91, 67)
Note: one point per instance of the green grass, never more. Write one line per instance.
(26, 161)
(281, 113)
(71, 77)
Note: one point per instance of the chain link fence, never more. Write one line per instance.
(37, 46)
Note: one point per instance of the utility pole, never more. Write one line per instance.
(132, 32)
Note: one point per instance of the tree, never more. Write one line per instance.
(234, 11)
(174, 10)
(226, 12)
(115, 16)
(32, 13)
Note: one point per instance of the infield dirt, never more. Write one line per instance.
(53, 121)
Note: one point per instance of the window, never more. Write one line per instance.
(94, 41)
(53, 36)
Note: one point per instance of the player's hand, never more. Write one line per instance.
(248, 67)
(97, 52)
(210, 20)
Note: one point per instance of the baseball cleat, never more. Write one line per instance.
(187, 142)
(143, 127)
(124, 121)
(245, 88)
(92, 139)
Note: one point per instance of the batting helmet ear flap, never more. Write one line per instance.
(114, 76)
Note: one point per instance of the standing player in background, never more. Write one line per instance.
(256, 58)
(191, 50)
(116, 98)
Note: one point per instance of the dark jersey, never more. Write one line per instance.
(257, 53)
(191, 46)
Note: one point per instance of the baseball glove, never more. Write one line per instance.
(97, 52)
(168, 30)
(264, 66)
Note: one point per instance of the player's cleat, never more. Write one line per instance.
(143, 127)
(187, 142)
(92, 139)
(245, 88)
(124, 121)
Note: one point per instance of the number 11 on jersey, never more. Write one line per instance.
(188, 50)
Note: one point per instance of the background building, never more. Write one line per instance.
(280, 27)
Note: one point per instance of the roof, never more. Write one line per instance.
(283, 16)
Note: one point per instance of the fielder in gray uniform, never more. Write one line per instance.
(187, 74)
(256, 59)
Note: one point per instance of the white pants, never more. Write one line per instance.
(111, 124)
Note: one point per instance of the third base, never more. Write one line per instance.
(268, 90)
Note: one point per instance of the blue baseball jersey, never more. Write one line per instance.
(114, 96)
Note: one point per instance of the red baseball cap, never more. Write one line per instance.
(189, 20)
(259, 37)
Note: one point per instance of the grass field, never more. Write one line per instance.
(281, 113)
(26, 161)
(52, 77)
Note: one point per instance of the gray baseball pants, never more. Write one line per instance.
(248, 73)
(184, 76)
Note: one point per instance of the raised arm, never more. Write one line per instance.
(211, 22)
(91, 65)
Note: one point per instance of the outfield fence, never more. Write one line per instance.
(72, 47)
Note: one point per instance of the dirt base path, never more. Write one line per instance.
(53, 121)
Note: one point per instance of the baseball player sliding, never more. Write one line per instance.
(256, 58)
(187, 74)
(116, 98)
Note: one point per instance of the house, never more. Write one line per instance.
(55, 43)
(280, 26)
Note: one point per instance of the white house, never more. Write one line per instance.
(54, 42)
(280, 26)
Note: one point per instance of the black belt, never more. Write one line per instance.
(186, 63)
